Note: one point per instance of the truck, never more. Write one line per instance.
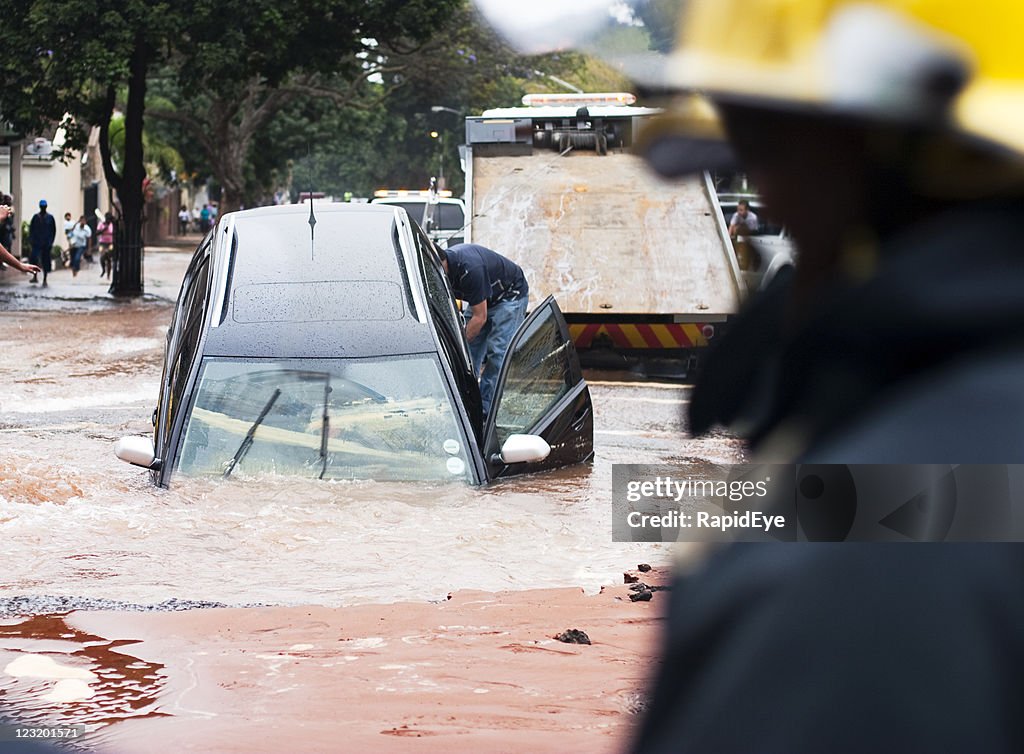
(643, 270)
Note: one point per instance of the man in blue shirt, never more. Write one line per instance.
(497, 292)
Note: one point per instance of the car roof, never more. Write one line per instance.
(286, 287)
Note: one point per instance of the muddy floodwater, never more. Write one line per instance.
(83, 531)
(80, 370)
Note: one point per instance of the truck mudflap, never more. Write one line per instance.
(645, 331)
(660, 349)
(641, 335)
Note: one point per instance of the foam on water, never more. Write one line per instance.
(121, 345)
(101, 530)
(142, 393)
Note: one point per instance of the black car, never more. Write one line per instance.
(325, 342)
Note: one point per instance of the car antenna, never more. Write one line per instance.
(312, 217)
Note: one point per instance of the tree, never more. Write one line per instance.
(366, 124)
(67, 64)
(464, 67)
(329, 53)
(65, 67)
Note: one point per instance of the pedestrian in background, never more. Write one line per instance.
(204, 219)
(183, 220)
(7, 225)
(80, 235)
(7, 258)
(42, 230)
(105, 239)
(69, 225)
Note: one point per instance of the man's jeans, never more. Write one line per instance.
(490, 345)
(76, 257)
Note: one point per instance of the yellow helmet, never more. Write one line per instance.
(943, 64)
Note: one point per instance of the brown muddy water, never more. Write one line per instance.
(79, 371)
(80, 528)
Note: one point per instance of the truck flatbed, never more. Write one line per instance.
(606, 236)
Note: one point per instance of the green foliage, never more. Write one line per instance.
(160, 157)
(661, 20)
(466, 68)
(267, 95)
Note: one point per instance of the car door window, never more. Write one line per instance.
(439, 294)
(448, 323)
(175, 336)
(540, 369)
(190, 332)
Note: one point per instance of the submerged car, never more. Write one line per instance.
(324, 342)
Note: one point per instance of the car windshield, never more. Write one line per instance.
(382, 419)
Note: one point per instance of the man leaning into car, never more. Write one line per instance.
(496, 290)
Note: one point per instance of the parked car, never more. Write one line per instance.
(325, 342)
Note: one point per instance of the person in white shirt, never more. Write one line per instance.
(743, 222)
(79, 238)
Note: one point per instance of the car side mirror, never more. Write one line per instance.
(524, 449)
(137, 451)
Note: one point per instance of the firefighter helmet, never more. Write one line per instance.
(938, 64)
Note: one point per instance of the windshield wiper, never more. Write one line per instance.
(325, 427)
(247, 442)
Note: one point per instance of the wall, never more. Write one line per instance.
(61, 184)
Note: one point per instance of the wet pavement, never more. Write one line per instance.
(89, 291)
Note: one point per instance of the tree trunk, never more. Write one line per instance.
(127, 276)
(229, 164)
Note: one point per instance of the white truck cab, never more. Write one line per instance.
(442, 216)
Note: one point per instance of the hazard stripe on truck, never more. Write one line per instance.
(635, 336)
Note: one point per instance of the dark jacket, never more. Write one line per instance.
(813, 648)
(42, 230)
(477, 274)
(940, 324)
(864, 647)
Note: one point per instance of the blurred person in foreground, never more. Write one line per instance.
(887, 137)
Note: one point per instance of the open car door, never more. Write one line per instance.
(541, 391)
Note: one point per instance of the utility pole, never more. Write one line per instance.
(16, 152)
(440, 135)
